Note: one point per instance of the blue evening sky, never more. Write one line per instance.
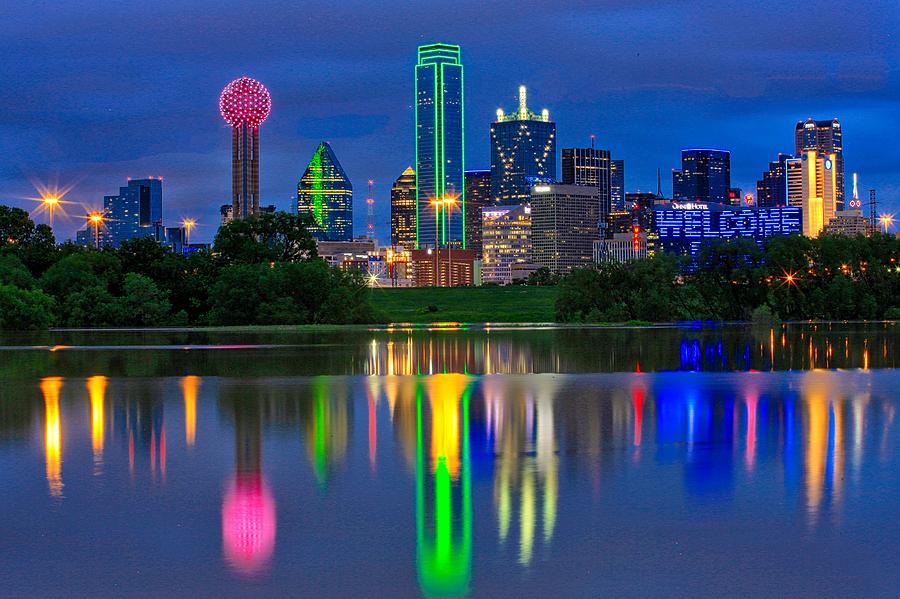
(94, 92)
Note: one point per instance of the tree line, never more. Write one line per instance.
(261, 270)
(265, 270)
(831, 277)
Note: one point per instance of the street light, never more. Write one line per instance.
(96, 219)
(886, 221)
(188, 224)
(50, 202)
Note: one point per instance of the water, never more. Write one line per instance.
(628, 463)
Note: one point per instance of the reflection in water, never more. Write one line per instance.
(248, 507)
(50, 387)
(190, 385)
(719, 435)
(444, 487)
(96, 387)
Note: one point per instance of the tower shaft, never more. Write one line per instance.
(244, 170)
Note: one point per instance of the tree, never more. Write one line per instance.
(730, 278)
(13, 272)
(33, 244)
(142, 302)
(266, 238)
(543, 277)
(24, 309)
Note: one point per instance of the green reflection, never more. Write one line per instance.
(444, 505)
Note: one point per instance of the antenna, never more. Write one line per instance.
(658, 183)
(873, 218)
(370, 215)
(593, 137)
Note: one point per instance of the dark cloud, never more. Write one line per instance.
(96, 91)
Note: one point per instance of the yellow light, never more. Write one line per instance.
(96, 386)
(51, 201)
(189, 387)
(96, 218)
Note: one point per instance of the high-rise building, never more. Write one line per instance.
(245, 103)
(478, 195)
(617, 184)
(826, 137)
(564, 226)
(403, 210)
(136, 211)
(325, 192)
(506, 236)
(523, 152)
(590, 167)
(771, 190)
(705, 176)
(440, 188)
(812, 186)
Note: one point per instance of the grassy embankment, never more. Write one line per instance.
(514, 303)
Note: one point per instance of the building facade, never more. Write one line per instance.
(825, 137)
(564, 226)
(506, 235)
(705, 176)
(440, 188)
(478, 195)
(590, 167)
(771, 190)
(523, 152)
(325, 193)
(812, 187)
(443, 267)
(848, 222)
(403, 209)
(684, 227)
(621, 247)
(136, 211)
(617, 184)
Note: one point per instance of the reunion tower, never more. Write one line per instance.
(245, 104)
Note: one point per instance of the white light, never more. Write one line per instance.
(542, 189)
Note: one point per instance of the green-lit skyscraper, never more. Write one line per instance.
(440, 191)
(325, 192)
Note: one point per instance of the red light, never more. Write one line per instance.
(245, 101)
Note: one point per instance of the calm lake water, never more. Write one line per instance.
(671, 462)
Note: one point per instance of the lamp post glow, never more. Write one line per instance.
(188, 224)
(886, 221)
(96, 219)
(50, 202)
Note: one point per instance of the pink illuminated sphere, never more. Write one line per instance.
(245, 101)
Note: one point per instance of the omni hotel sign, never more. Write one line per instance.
(690, 205)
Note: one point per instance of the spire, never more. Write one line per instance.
(523, 110)
(658, 183)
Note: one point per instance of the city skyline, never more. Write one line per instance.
(93, 138)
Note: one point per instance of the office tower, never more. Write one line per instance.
(564, 226)
(403, 210)
(771, 190)
(812, 186)
(826, 137)
(325, 192)
(589, 167)
(245, 103)
(523, 152)
(506, 236)
(705, 176)
(617, 184)
(136, 211)
(440, 189)
(478, 195)
(684, 228)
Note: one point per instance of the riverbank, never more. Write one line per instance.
(510, 304)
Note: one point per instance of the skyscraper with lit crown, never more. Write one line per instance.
(523, 152)
(403, 210)
(325, 193)
(440, 185)
(825, 137)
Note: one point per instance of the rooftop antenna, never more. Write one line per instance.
(873, 215)
(658, 183)
(523, 110)
(370, 216)
(593, 137)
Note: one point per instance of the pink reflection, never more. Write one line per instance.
(248, 524)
